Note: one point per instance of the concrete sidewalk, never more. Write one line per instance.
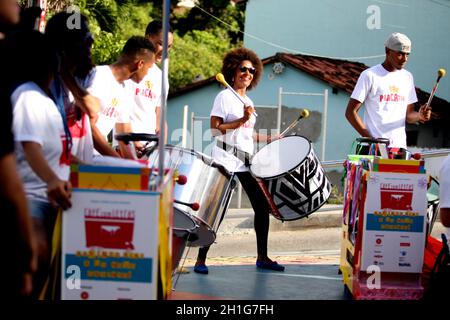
(241, 220)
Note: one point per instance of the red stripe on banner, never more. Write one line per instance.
(145, 173)
(398, 168)
(74, 179)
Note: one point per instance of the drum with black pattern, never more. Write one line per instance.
(295, 181)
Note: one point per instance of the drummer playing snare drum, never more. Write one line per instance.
(232, 124)
(389, 95)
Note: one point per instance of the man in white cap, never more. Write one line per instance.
(388, 93)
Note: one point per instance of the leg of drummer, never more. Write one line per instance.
(261, 220)
(200, 265)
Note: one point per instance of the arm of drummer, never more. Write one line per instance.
(423, 115)
(124, 149)
(261, 137)
(355, 120)
(87, 102)
(91, 106)
(219, 127)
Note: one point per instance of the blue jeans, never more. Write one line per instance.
(45, 213)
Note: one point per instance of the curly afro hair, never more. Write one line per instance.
(233, 60)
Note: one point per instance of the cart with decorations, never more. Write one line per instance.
(384, 225)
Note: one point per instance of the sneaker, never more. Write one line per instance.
(203, 269)
(269, 265)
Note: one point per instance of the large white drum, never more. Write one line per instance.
(294, 179)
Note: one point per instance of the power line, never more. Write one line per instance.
(284, 48)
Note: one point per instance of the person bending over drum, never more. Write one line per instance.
(232, 126)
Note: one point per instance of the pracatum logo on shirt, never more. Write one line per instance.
(111, 111)
(392, 96)
(248, 124)
(148, 84)
(146, 91)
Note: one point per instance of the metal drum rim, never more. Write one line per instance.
(288, 171)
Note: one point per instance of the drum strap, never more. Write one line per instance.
(241, 155)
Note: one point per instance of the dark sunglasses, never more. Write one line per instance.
(244, 69)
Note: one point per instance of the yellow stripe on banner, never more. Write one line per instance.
(109, 181)
(52, 285)
(399, 162)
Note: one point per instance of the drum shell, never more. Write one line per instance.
(299, 191)
(184, 229)
(208, 184)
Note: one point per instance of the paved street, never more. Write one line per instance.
(309, 251)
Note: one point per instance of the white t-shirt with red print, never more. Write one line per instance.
(114, 102)
(37, 119)
(147, 97)
(229, 108)
(386, 96)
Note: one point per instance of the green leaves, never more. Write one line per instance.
(200, 41)
(198, 55)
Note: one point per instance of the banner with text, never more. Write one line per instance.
(110, 246)
(394, 222)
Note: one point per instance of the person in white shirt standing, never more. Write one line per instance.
(388, 93)
(232, 125)
(107, 84)
(43, 143)
(74, 46)
(146, 93)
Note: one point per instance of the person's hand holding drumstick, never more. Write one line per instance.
(248, 111)
(424, 113)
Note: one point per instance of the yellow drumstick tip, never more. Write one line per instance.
(305, 113)
(221, 79)
(441, 73)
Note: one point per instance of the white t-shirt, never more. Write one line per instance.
(386, 96)
(147, 97)
(37, 119)
(229, 108)
(114, 102)
(444, 184)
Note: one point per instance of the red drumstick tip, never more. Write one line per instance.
(182, 179)
(195, 206)
(417, 156)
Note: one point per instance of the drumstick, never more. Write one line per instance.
(441, 73)
(194, 206)
(221, 79)
(303, 114)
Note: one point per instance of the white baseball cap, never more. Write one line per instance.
(398, 42)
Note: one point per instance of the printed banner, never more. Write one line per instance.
(394, 222)
(110, 246)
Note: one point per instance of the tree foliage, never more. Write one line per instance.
(200, 41)
(197, 55)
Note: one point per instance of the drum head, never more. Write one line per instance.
(280, 156)
(183, 221)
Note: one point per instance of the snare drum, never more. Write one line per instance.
(293, 176)
(208, 184)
